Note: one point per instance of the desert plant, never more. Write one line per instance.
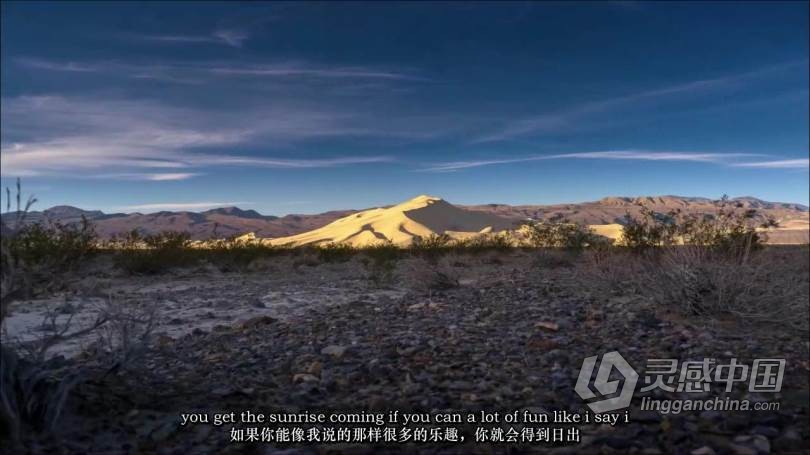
(380, 261)
(154, 253)
(127, 333)
(650, 229)
(13, 277)
(430, 276)
(54, 247)
(730, 229)
(32, 394)
(484, 242)
(336, 252)
(39, 252)
(236, 254)
(431, 247)
(32, 391)
(566, 235)
(706, 282)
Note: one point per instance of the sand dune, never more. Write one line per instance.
(421, 216)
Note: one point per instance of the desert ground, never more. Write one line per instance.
(499, 330)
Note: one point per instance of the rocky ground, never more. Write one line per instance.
(493, 332)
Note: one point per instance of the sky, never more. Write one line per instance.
(306, 107)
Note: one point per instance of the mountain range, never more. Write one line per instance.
(401, 221)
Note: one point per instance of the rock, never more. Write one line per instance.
(739, 449)
(762, 444)
(705, 450)
(258, 321)
(315, 368)
(768, 432)
(304, 377)
(334, 350)
(547, 325)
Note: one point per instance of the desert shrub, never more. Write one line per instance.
(38, 253)
(430, 276)
(154, 253)
(703, 281)
(607, 270)
(32, 395)
(380, 260)
(566, 235)
(554, 259)
(484, 242)
(235, 254)
(731, 229)
(55, 246)
(44, 252)
(649, 229)
(335, 252)
(431, 247)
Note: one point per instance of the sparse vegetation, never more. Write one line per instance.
(565, 235)
(335, 252)
(432, 246)
(501, 241)
(235, 254)
(154, 253)
(731, 229)
(380, 262)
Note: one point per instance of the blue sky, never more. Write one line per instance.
(302, 108)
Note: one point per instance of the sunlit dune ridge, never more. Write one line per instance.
(421, 216)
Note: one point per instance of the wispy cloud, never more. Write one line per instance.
(637, 155)
(134, 139)
(181, 206)
(227, 37)
(154, 177)
(574, 116)
(801, 163)
(51, 65)
(231, 37)
(198, 72)
(297, 69)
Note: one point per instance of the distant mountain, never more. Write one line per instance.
(613, 209)
(228, 221)
(237, 212)
(220, 222)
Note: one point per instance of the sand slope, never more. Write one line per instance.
(400, 224)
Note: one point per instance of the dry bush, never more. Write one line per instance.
(33, 388)
(431, 247)
(487, 242)
(729, 229)
(127, 333)
(156, 253)
(238, 254)
(565, 235)
(428, 276)
(759, 287)
(32, 394)
(335, 252)
(548, 258)
(768, 285)
(380, 260)
(609, 270)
